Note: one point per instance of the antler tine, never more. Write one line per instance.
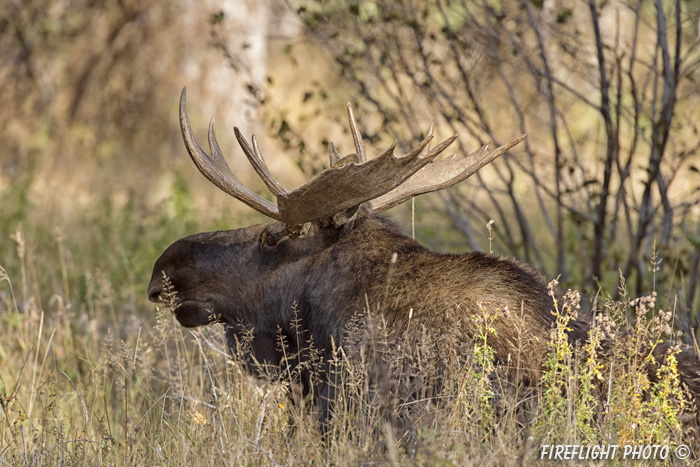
(268, 176)
(333, 154)
(356, 136)
(442, 146)
(255, 157)
(441, 174)
(215, 168)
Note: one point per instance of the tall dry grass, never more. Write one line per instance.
(96, 375)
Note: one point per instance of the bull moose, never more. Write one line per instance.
(328, 255)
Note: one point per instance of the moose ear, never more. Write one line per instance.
(346, 219)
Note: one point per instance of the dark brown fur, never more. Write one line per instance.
(253, 279)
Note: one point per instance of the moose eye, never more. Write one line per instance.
(267, 240)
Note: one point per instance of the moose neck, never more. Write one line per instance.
(365, 267)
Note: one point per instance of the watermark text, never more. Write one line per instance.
(565, 452)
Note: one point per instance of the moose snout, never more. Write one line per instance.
(154, 290)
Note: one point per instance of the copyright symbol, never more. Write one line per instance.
(682, 451)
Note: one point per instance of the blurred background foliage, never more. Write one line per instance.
(94, 177)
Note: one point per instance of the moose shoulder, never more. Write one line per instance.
(328, 256)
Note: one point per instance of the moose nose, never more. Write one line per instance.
(154, 290)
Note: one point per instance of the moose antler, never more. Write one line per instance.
(215, 168)
(441, 174)
(385, 181)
